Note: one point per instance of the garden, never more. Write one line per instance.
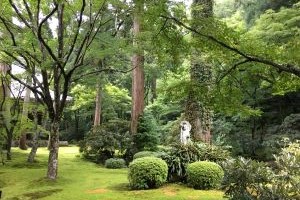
(161, 99)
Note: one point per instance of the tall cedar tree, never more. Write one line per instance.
(138, 68)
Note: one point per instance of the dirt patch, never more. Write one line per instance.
(97, 191)
(171, 192)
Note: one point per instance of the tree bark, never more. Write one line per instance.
(35, 145)
(5, 107)
(153, 88)
(35, 141)
(97, 118)
(24, 118)
(8, 146)
(196, 112)
(138, 69)
(53, 150)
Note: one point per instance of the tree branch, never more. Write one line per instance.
(12, 36)
(84, 44)
(21, 17)
(40, 37)
(287, 67)
(28, 10)
(110, 70)
(231, 69)
(33, 89)
(77, 31)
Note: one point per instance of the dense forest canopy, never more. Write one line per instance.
(134, 69)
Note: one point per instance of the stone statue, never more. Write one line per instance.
(185, 128)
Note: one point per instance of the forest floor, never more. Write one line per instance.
(80, 179)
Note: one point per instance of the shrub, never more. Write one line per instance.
(147, 172)
(248, 179)
(147, 137)
(177, 158)
(101, 143)
(204, 175)
(115, 163)
(212, 153)
(142, 154)
(286, 182)
(243, 178)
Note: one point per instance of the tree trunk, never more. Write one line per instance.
(97, 118)
(138, 69)
(76, 124)
(35, 145)
(5, 107)
(8, 147)
(153, 89)
(53, 148)
(196, 112)
(24, 118)
(35, 141)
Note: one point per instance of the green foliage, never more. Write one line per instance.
(243, 177)
(204, 175)
(147, 136)
(116, 100)
(2, 143)
(115, 163)
(286, 181)
(177, 158)
(115, 103)
(147, 172)
(248, 179)
(102, 141)
(142, 154)
(83, 96)
(212, 153)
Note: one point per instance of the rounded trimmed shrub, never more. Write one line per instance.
(147, 172)
(115, 163)
(204, 175)
(142, 154)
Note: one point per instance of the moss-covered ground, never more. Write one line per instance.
(80, 179)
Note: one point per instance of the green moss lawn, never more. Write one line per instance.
(79, 179)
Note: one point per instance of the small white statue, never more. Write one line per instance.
(185, 128)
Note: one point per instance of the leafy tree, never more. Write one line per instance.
(54, 53)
